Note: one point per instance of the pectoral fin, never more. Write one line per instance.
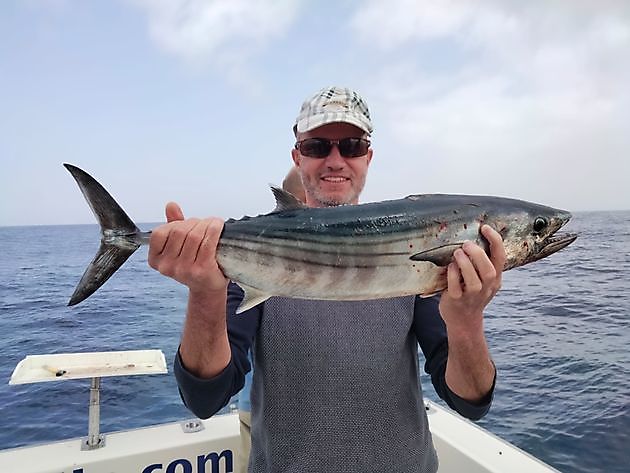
(440, 256)
(252, 298)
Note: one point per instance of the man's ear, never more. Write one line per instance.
(295, 154)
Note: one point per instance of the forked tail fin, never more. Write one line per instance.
(120, 237)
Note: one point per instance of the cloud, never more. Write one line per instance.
(482, 21)
(539, 88)
(537, 46)
(217, 31)
(567, 52)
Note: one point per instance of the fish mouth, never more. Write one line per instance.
(554, 243)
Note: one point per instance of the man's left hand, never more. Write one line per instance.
(473, 280)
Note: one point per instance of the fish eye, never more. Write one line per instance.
(539, 224)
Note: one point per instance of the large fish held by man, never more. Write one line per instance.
(351, 252)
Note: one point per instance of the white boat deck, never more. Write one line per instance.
(465, 447)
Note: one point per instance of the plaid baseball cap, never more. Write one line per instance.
(333, 105)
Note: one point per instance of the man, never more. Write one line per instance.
(336, 383)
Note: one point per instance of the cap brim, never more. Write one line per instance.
(312, 122)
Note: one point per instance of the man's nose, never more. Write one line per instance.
(334, 159)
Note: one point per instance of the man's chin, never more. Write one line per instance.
(333, 200)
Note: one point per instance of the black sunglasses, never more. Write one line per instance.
(321, 147)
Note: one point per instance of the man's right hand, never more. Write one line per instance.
(185, 250)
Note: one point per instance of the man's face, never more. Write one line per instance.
(333, 180)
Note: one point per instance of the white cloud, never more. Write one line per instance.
(542, 86)
(539, 45)
(201, 31)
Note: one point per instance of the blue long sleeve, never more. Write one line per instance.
(432, 337)
(205, 397)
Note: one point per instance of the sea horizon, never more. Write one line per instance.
(146, 223)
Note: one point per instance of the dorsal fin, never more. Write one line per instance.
(285, 200)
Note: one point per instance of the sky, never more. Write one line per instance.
(193, 101)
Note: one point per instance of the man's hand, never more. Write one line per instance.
(185, 250)
(473, 280)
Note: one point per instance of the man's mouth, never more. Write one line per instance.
(335, 179)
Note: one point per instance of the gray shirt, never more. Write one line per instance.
(336, 388)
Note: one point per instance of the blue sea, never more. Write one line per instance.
(559, 332)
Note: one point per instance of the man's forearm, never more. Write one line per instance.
(469, 369)
(205, 349)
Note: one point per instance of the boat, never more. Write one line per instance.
(208, 446)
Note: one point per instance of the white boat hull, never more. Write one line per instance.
(461, 446)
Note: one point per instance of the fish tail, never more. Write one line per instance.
(120, 237)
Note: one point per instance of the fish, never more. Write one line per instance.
(351, 252)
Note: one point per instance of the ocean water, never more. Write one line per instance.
(559, 332)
